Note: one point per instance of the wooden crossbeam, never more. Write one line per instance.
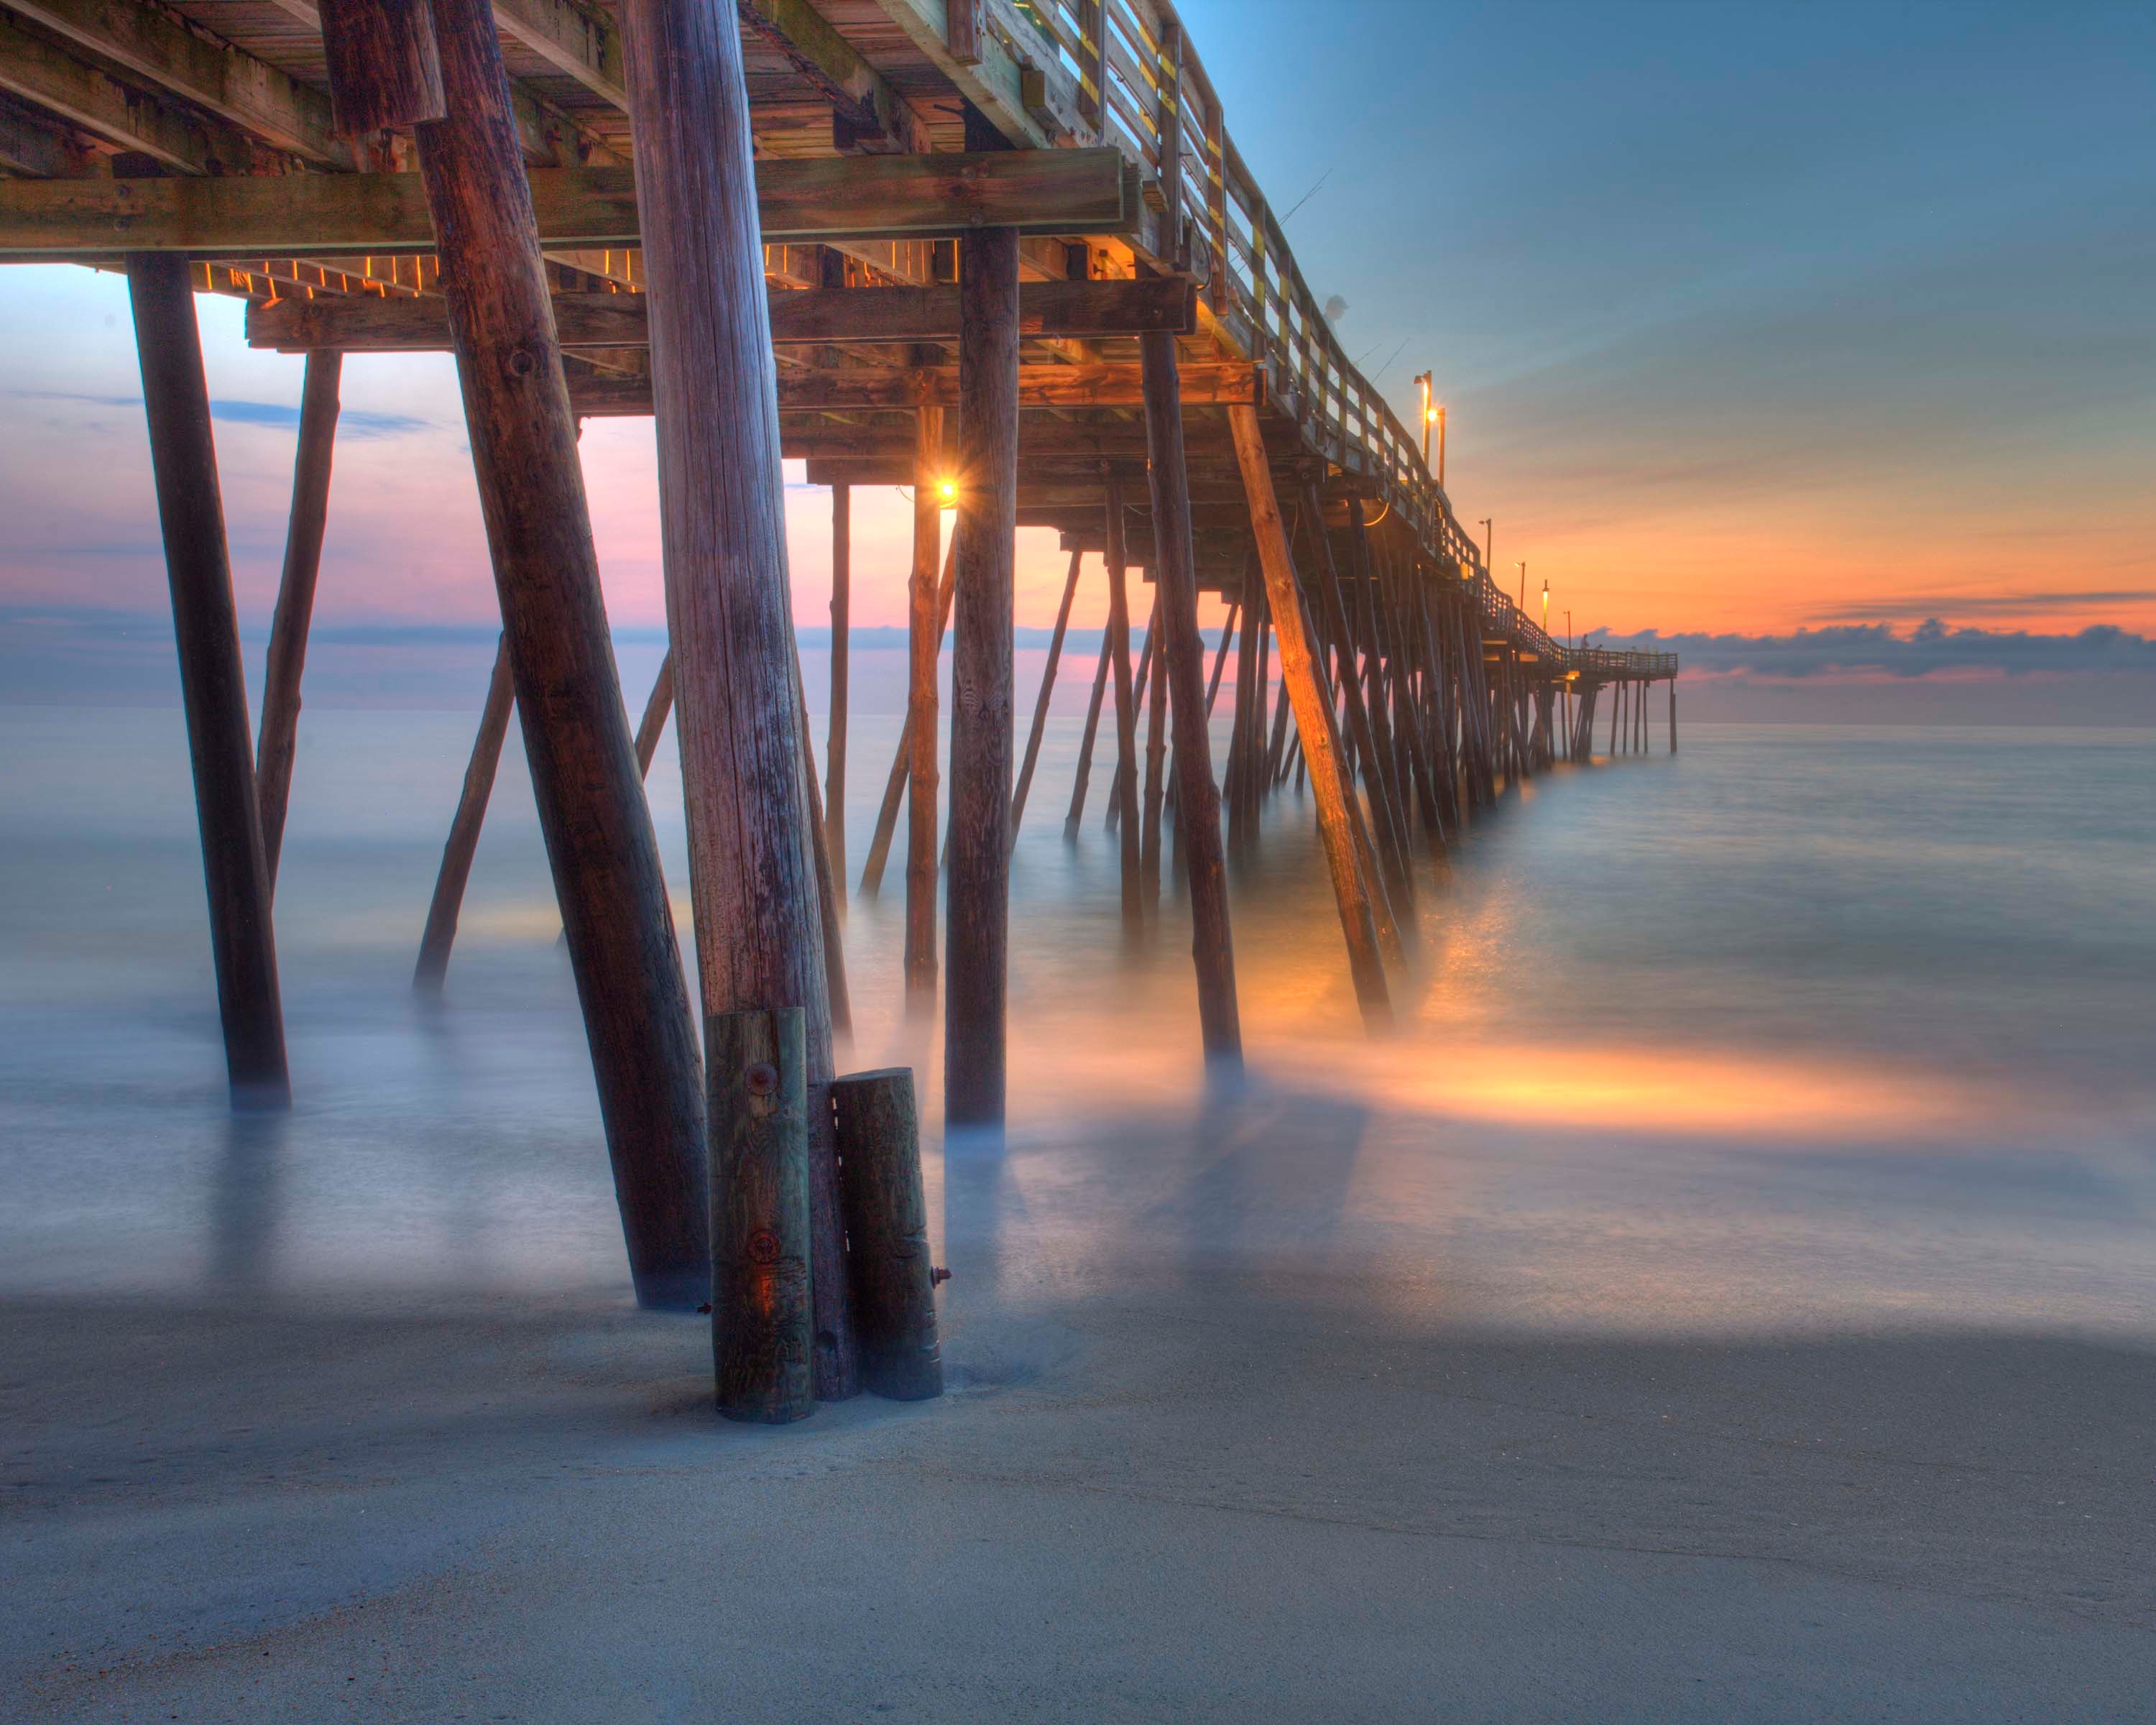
(220, 79)
(866, 112)
(868, 390)
(357, 325)
(48, 76)
(297, 215)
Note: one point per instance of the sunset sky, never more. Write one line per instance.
(1751, 319)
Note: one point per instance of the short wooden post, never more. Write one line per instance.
(978, 922)
(887, 1232)
(762, 1310)
(1312, 719)
(1127, 751)
(925, 644)
(1085, 772)
(213, 685)
(592, 811)
(835, 759)
(278, 737)
(450, 882)
(1041, 705)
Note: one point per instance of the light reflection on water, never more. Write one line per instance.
(1816, 1025)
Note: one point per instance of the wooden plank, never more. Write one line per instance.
(291, 215)
(54, 79)
(355, 323)
(30, 145)
(220, 79)
(1217, 384)
(866, 112)
(582, 44)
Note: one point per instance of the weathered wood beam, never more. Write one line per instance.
(48, 76)
(35, 143)
(867, 390)
(546, 132)
(220, 79)
(361, 324)
(577, 44)
(297, 215)
(867, 114)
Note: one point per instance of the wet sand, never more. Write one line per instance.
(1263, 1466)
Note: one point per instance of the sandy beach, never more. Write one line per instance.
(1218, 1446)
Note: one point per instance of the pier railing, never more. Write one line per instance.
(1122, 66)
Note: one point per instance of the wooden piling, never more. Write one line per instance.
(925, 644)
(277, 739)
(440, 932)
(1140, 686)
(592, 811)
(763, 1306)
(896, 784)
(835, 757)
(213, 685)
(886, 1216)
(1181, 691)
(828, 892)
(1390, 843)
(1156, 766)
(977, 933)
(1125, 791)
(657, 705)
(1040, 704)
(1673, 714)
(1312, 719)
(1085, 742)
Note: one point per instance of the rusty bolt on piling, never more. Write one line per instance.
(937, 1276)
(762, 1079)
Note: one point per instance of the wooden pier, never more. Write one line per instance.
(1004, 247)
